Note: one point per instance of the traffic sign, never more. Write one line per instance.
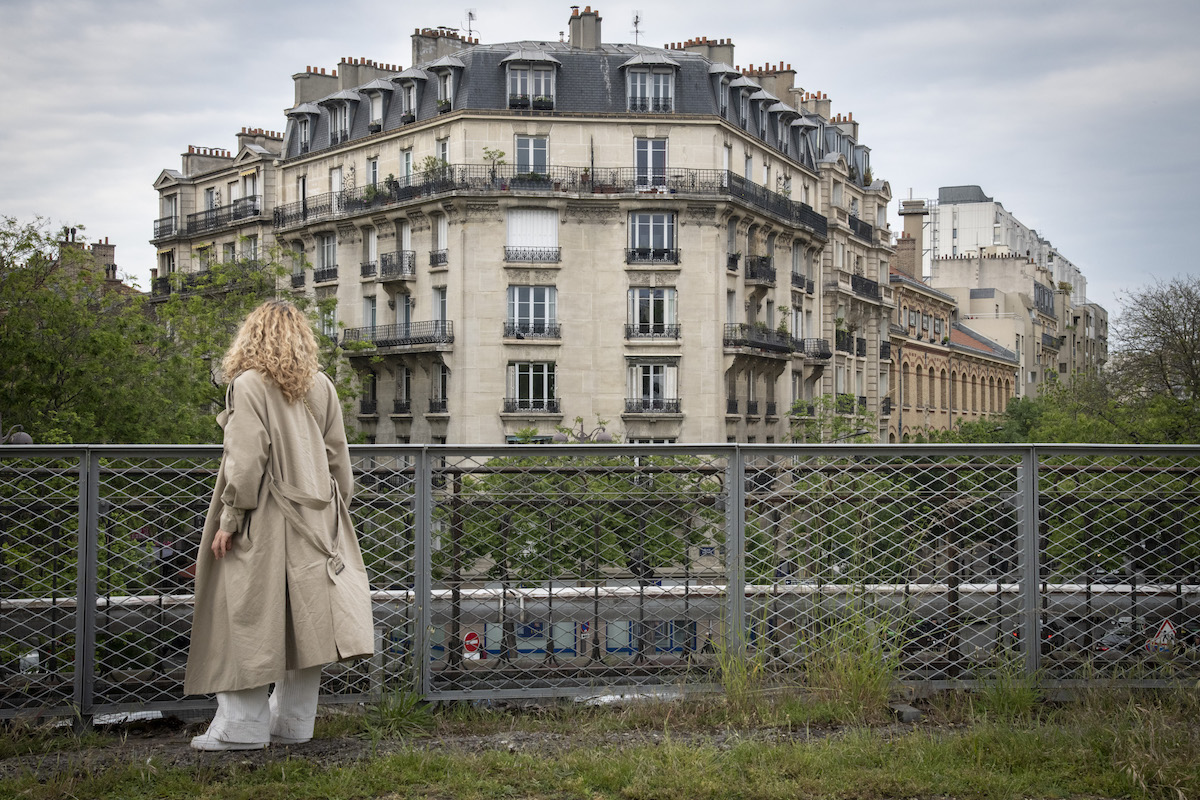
(1164, 640)
(471, 642)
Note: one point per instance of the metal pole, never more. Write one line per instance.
(86, 578)
(422, 567)
(1030, 569)
(735, 556)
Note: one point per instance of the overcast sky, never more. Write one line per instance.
(1080, 116)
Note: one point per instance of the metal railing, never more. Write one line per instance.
(760, 269)
(651, 405)
(167, 226)
(589, 569)
(325, 274)
(843, 341)
(398, 265)
(651, 255)
(439, 258)
(486, 179)
(368, 269)
(813, 348)
(532, 330)
(651, 330)
(861, 229)
(864, 287)
(542, 405)
(214, 218)
(740, 334)
(545, 254)
(402, 334)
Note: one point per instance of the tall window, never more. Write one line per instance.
(652, 311)
(439, 303)
(328, 313)
(531, 386)
(327, 251)
(532, 155)
(376, 108)
(410, 99)
(652, 237)
(370, 246)
(443, 150)
(302, 133)
(543, 84)
(445, 90)
(341, 123)
(653, 387)
(406, 168)
(250, 247)
(651, 90)
(372, 171)
(532, 235)
(518, 84)
(532, 311)
(369, 319)
(650, 159)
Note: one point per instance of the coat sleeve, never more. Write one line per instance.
(247, 448)
(336, 448)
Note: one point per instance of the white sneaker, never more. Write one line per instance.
(211, 743)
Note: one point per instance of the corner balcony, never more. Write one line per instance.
(760, 270)
(166, 227)
(431, 336)
(843, 341)
(813, 349)
(862, 230)
(757, 337)
(864, 287)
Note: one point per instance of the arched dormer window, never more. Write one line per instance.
(740, 90)
(724, 75)
(762, 100)
(410, 80)
(650, 83)
(446, 70)
(531, 79)
(304, 118)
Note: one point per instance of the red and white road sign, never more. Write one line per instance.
(471, 642)
(1164, 640)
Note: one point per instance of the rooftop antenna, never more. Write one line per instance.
(470, 18)
(637, 22)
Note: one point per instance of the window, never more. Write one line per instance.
(372, 171)
(650, 158)
(370, 246)
(532, 311)
(530, 85)
(250, 247)
(328, 314)
(531, 386)
(653, 387)
(532, 155)
(445, 91)
(228, 252)
(439, 303)
(443, 150)
(749, 164)
(302, 133)
(410, 100)
(652, 237)
(166, 263)
(406, 168)
(518, 87)
(651, 90)
(210, 199)
(340, 123)
(326, 251)
(438, 255)
(532, 235)
(376, 108)
(369, 319)
(543, 85)
(652, 312)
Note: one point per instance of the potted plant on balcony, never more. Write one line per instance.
(496, 157)
(732, 259)
(518, 101)
(543, 103)
(443, 106)
(407, 117)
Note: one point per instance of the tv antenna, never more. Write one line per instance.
(637, 23)
(471, 15)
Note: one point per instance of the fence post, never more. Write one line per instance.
(1029, 569)
(422, 567)
(85, 582)
(735, 555)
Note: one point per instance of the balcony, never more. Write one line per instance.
(760, 269)
(160, 287)
(167, 226)
(751, 408)
(650, 330)
(860, 347)
(813, 348)
(731, 405)
(772, 409)
(325, 274)
(402, 407)
(731, 261)
(367, 407)
(439, 258)
(843, 341)
(861, 230)
(518, 101)
(399, 265)
(844, 403)
(477, 179)
(431, 334)
(536, 405)
(651, 105)
(864, 287)
(651, 255)
(222, 216)
(862, 404)
(798, 281)
(543, 103)
(803, 409)
(1050, 340)
(535, 254)
(437, 405)
(885, 351)
(532, 330)
(740, 334)
(885, 406)
(651, 405)
(810, 286)
(368, 269)
(297, 280)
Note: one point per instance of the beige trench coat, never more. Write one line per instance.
(293, 592)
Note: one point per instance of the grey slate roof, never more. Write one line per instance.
(962, 194)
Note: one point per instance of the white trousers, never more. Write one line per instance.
(249, 715)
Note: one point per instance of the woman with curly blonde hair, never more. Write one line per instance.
(281, 589)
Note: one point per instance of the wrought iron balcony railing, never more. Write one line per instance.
(368, 269)
(772, 409)
(403, 334)
(402, 406)
(813, 348)
(651, 105)
(860, 347)
(167, 226)
(885, 351)
(368, 407)
(651, 255)
(325, 274)
(651, 405)
(221, 216)
(439, 258)
(486, 179)
(740, 334)
(437, 405)
(731, 405)
(398, 265)
(297, 280)
(651, 330)
(864, 287)
(751, 408)
(541, 405)
(843, 341)
(844, 403)
(544, 254)
(760, 269)
(532, 330)
(861, 229)
(731, 261)
(885, 406)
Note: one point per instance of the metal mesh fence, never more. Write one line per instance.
(584, 569)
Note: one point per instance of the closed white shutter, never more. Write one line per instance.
(405, 236)
(671, 390)
(532, 227)
(635, 382)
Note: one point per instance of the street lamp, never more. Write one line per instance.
(849, 435)
(15, 435)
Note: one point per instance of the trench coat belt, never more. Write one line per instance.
(288, 497)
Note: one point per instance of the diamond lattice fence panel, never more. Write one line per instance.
(908, 560)
(39, 539)
(561, 570)
(1120, 563)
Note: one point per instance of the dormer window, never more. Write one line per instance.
(445, 91)
(650, 83)
(530, 86)
(339, 123)
(303, 115)
(302, 133)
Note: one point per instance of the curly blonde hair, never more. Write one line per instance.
(276, 340)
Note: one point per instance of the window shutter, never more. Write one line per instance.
(532, 227)
(671, 390)
(635, 384)
(672, 296)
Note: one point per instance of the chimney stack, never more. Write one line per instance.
(584, 28)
